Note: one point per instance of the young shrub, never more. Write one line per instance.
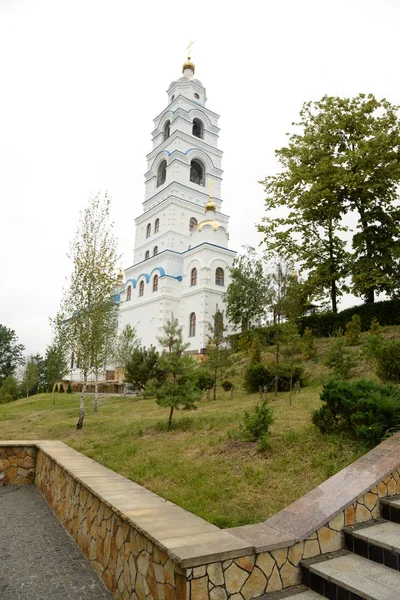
(69, 389)
(353, 330)
(309, 343)
(388, 361)
(255, 351)
(375, 328)
(61, 389)
(257, 376)
(227, 385)
(260, 376)
(203, 380)
(257, 422)
(339, 358)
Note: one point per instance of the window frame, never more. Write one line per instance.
(193, 277)
(141, 289)
(192, 324)
(219, 276)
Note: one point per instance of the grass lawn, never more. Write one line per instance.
(196, 465)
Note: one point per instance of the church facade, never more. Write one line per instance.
(181, 255)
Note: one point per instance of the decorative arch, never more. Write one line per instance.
(193, 276)
(198, 112)
(155, 250)
(197, 172)
(197, 153)
(198, 128)
(219, 276)
(156, 225)
(161, 173)
(192, 324)
(155, 283)
(129, 292)
(192, 223)
(141, 288)
(147, 255)
(167, 129)
(148, 230)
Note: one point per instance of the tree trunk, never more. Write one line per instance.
(332, 269)
(291, 383)
(96, 394)
(82, 405)
(334, 296)
(370, 297)
(171, 412)
(54, 394)
(276, 367)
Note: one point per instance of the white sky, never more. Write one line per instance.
(81, 81)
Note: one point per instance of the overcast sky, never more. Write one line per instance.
(81, 81)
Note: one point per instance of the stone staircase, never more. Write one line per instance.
(368, 569)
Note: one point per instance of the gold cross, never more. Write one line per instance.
(189, 48)
(211, 185)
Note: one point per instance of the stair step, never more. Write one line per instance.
(347, 576)
(299, 592)
(379, 541)
(390, 508)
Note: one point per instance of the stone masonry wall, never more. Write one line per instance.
(132, 566)
(18, 464)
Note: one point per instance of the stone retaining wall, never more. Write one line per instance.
(146, 548)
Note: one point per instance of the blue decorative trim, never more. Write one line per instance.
(160, 269)
(203, 151)
(168, 153)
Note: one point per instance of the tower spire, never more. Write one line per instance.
(188, 66)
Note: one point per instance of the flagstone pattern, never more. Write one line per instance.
(146, 548)
(17, 464)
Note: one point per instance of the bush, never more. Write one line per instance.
(257, 376)
(364, 409)
(61, 388)
(375, 328)
(339, 358)
(257, 422)
(203, 380)
(227, 385)
(69, 389)
(309, 343)
(255, 351)
(9, 390)
(353, 330)
(387, 358)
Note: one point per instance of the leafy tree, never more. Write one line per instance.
(217, 350)
(174, 385)
(56, 366)
(343, 160)
(248, 294)
(141, 366)
(10, 352)
(30, 375)
(126, 343)
(89, 307)
(289, 299)
(9, 390)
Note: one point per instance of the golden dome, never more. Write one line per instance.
(211, 205)
(187, 65)
(210, 222)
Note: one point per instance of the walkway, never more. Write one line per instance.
(39, 560)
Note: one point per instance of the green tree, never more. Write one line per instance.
(248, 295)
(218, 353)
(141, 366)
(10, 352)
(343, 160)
(174, 386)
(353, 330)
(89, 307)
(309, 343)
(126, 344)
(9, 390)
(30, 375)
(56, 365)
(289, 297)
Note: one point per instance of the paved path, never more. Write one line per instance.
(38, 559)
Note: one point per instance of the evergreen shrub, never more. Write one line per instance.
(203, 380)
(56, 388)
(61, 388)
(227, 385)
(353, 330)
(339, 358)
(69, 389)
(256, 422)
(257, 375)
(364, 409)
(387, 360)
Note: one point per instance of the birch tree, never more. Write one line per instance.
(89, 307)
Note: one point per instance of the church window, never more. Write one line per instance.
(147, 255)
(167, 130)
(129, 292)
(192, 223)
(155, 283)
(148, 230)
(157, 226)
(172, 98)
(141, 288)
(197, 172)
(198, 128)
(162, 173)
(193, 277)
(219, 276)
(192, 325)
(218, 323)
(155, 251)
(196, 96)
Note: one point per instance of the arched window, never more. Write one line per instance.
(162, 173)
(141, 288)
(198, 128)
(148, 230)
(157, 226)
(219, 276)
(218, 323)
(167, 130)
(192, 325)
(197, 172)
(192, 223)
(155, 251)
(193, 277)
(129, 292)
(155, 283)
(147, 255)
